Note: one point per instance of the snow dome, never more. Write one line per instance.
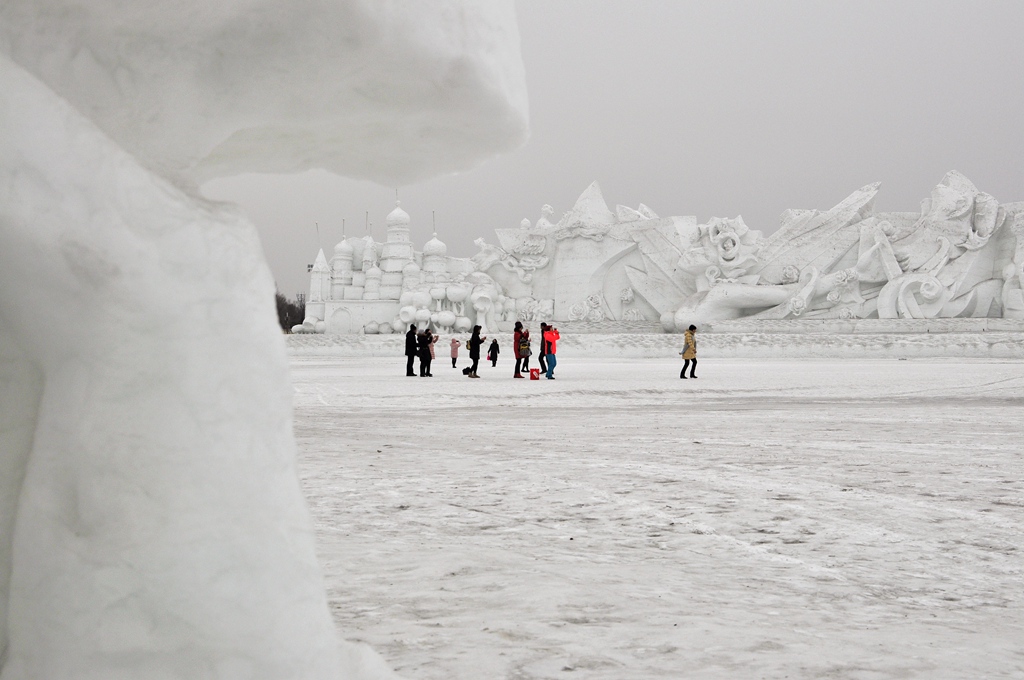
(398, 217)
(344, 249)
(435, 247)
(434, 254)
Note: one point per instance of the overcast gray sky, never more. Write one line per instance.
(712, 108)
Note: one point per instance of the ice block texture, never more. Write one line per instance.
(151, 522)
(391, 91)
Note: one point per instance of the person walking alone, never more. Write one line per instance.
(410, 350)
(551, 338)
(455, 350)
(689, 352)
(492, 352)
(474, 351)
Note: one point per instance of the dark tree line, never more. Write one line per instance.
(289, 312)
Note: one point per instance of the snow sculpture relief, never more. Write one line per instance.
(850, 262)
(151, 522)
(961, 256)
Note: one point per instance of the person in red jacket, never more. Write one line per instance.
(551, 338)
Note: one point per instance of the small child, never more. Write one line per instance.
(455, 350)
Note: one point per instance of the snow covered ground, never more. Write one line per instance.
(747, 345)
(775, 518)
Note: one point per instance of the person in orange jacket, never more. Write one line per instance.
(551, 338)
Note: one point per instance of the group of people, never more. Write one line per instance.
(547, 359)
(420, 344)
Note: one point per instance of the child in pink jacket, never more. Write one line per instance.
(455, 350)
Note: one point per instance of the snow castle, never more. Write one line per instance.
(373, 287)
(960, 257)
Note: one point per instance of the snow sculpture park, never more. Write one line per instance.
(151, 521)
(186, 492)
(961, 256)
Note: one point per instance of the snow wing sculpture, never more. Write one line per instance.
(151, 522)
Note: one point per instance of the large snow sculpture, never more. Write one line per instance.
(151, 523)
(960, 256)
(850, 262)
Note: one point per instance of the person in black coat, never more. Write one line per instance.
(410, 350)
(492, 352)
(474, 350)
(426, 339)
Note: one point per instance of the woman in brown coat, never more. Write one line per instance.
(689, 352)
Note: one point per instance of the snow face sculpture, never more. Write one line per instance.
(151, 522)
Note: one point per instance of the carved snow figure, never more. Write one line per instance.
(945, 268)
(546, 213)
(513, 273)
(482, 298)
(151, 523)
(850, 263)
